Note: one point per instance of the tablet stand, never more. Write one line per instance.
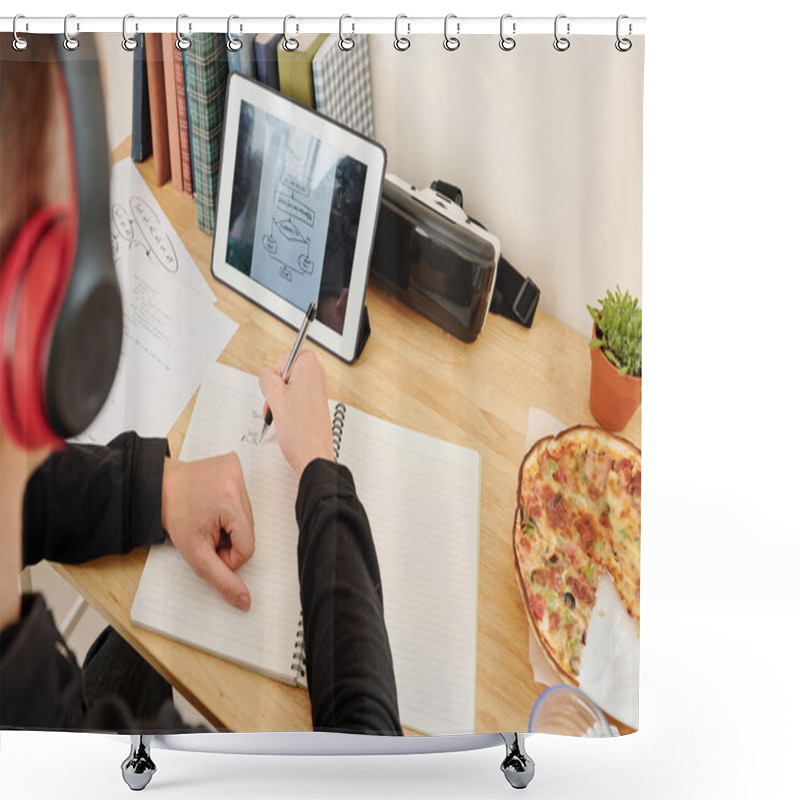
(138, 768)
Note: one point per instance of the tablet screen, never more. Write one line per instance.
(294, 214)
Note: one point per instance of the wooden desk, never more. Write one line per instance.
(414, 374)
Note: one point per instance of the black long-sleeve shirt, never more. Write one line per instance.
(88, 501)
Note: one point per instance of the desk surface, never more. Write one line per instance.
(414, 374)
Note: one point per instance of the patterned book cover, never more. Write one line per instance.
(342, 89)
(170, 89)
(141, 137)
(294, 69)
(243, 60)
(206, 81)
(183, 120)
(158, 107)
(266, 47)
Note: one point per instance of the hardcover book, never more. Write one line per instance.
(206, 77)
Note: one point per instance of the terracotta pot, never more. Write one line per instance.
(613, 398)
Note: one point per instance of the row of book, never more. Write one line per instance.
(179, 98)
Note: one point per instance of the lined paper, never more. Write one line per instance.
(174, 601)
(422, 497)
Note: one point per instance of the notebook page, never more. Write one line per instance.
(172, 600)
(422, 497)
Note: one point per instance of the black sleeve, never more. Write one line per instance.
(88, 501)
(41, 686)
(348, 661)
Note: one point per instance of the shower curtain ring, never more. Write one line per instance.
(507, 42)
(19, 42)
(401, 43)
(234, 43)
(70, 42)
(289, 44)
(451, 42)
(346, 42)
(561, 43)
(623, 45)
(128, 42)
(181, 42)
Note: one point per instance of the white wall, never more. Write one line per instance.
(118, 77)
(546, 146)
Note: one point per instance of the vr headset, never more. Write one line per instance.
(444, 264)
(60, 304)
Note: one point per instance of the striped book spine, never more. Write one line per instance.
(183, 120)
(206, 81)
(170, 89)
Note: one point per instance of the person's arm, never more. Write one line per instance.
(348, 659)
(88, 501)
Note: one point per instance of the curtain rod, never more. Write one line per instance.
(406, 25)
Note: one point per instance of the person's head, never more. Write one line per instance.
(61, 326)
(30, 173)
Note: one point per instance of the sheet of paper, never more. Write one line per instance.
(610, 661)
(141, 232)
(172, 600)
(422, 497)
(171, 333)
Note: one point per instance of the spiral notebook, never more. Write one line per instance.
(422, 497)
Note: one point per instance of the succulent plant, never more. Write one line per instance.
(619, 331)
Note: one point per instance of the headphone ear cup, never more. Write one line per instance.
(35, 278)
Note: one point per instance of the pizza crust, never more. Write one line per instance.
(593, 440)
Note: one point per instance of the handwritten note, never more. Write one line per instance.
(171, 330)
(141, 231)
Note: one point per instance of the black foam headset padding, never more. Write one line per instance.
(87, 337)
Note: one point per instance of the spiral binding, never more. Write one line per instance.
(337, 428)
(299, 655)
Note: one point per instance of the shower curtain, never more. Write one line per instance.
(510, 595)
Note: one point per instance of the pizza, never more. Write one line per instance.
(578, 517)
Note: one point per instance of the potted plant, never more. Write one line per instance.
(616, 350)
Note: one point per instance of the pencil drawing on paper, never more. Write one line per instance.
(140, 227)
(252, 434)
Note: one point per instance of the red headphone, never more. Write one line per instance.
(60, 305)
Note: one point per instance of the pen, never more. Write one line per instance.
(301, 334)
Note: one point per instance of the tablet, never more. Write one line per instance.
(297, 208)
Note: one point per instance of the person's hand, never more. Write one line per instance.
(206, 512)
(299, 410)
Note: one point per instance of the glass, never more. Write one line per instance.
(568, 711)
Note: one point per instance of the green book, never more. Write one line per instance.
(294, 69)
(206, 82)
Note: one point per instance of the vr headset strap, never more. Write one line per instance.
(515, 297)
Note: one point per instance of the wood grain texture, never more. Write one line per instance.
(414, 374)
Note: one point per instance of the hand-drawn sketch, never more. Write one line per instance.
(255, 425)
(286, 243)
(294, 209)
(139, 226)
